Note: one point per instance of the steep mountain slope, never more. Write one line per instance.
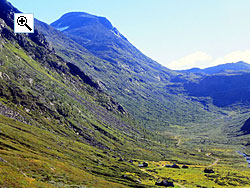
(58, 128)
(103, 40)
(133, 79)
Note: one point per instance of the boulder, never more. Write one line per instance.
(165, 183)
(145, 164)
(185, 166)
(207, 170)
(175, 166)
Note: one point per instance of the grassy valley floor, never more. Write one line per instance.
(230, 168)
(212, 145)
(37, 158)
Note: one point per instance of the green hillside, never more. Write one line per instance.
(84, 111)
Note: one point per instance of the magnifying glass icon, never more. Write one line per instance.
(22, 21)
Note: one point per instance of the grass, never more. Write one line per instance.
(224, 176)
(37, 158)
(68, 133)
(34, 157)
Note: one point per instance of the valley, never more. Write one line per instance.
(80, 106)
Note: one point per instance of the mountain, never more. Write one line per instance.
(158, 98)
(197, 92)
(103, 40)
(88, 109)
(226, 85)
(136, 81)
(228, 67)
(165, 96)
(239, 66)
(58, 127)
(224, 89)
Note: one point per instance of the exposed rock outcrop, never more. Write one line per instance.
(4, 110)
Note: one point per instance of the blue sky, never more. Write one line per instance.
(179, 34)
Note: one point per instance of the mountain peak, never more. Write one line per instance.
(81, 19)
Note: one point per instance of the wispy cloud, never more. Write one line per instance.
(233, 58)
(203, 60)
(192, 60)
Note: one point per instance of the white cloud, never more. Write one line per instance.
(192, 60)
(203, 60)
(233, 58)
